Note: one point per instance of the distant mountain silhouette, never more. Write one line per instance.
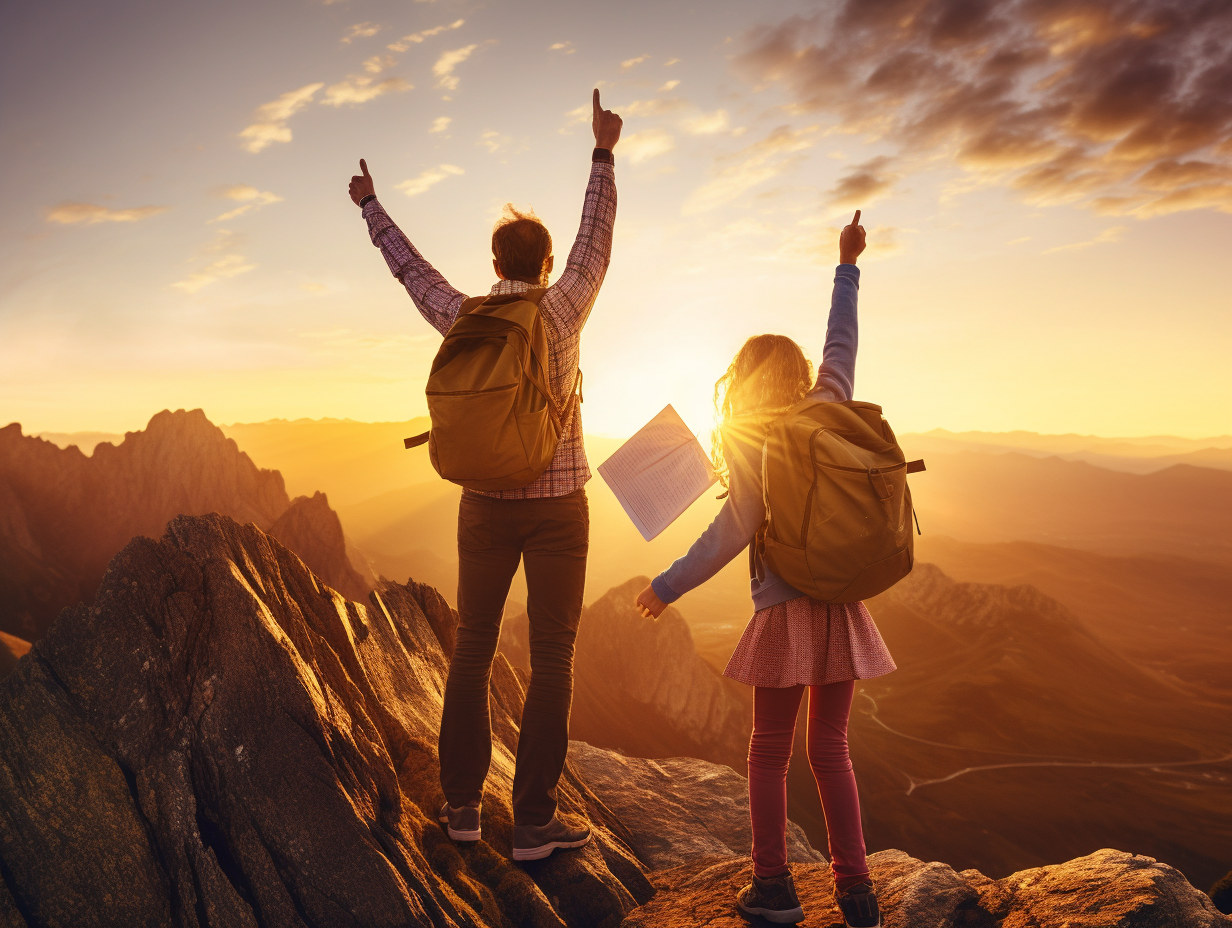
(64, 515)
(1132, 455)
(1013, 497)
(1166, 612)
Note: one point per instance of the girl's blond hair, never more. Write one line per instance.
(769, 375)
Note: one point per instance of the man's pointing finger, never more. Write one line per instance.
(363, 166)
(595, 100)
(855, 220)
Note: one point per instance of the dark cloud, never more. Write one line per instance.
(864, 184)
(1124, 105)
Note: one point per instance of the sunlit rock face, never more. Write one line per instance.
(63, 516)
(221, 739)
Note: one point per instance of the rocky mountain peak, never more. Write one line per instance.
(63, 515)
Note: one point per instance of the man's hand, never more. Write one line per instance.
(851, 241)
(361, 184)
(606, 125)
(648, 602)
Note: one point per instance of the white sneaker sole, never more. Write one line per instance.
(538, 853)
(778, 916)
(455, 835)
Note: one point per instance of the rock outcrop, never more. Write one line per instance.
(313, 531)
(641, 688)
(1107, 889)
(678, 809)
(223, 740)
(63, 515)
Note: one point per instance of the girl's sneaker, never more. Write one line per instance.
(859, 905)
(774, 900)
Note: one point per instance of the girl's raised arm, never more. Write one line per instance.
(836, 375)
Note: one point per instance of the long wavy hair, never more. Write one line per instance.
(769, 375)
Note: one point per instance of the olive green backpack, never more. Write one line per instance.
(495, 423)
(838, 510)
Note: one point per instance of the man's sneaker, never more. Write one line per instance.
(460, 824)
(859, 905)
(774, 900)
(534, 842)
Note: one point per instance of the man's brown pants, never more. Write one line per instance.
(551, 536)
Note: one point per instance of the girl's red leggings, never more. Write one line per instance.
(774, 728)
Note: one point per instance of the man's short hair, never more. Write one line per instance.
(521, 245)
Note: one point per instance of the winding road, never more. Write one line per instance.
(1043, 760)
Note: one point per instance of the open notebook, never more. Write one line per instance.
(658, 473)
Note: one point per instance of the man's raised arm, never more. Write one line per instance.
(568, 302)
(435, 299)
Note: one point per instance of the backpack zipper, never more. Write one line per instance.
(808, 500)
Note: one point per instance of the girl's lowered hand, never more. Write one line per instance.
(649, 604)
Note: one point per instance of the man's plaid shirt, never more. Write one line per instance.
(565, 308)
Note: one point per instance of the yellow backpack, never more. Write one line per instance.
(495, 423)
(838, 510)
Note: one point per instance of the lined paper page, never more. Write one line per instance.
(658, 473)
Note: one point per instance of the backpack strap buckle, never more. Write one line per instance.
(416, 440)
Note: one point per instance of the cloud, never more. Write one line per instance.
(633, 62)
(647, 144)
(72, 213)
(493, 141)
(668, 85)
(670, 62)
(361, 31)
(443, 69)
(428, 178)
(1065, 101)
(751, 166)
(863, 185)
(565, 48)
(249, 198)
(707, 123)
(361, 89)
(416, 37)
(1108, 235)
(441, 123)
(270, 119)
(228, 263)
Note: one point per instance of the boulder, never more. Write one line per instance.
(1107, 889)
(221, 739)
(678, 809)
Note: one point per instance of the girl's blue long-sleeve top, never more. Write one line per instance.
(744, 512)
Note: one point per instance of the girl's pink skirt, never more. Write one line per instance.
(803, 641)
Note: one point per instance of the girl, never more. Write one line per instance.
(792, 642)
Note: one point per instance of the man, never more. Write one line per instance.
(546, 524)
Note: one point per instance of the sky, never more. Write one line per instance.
(1046, 185)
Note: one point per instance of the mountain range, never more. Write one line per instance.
(221, 739)
(64, 515)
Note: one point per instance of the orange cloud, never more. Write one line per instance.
(87, 214)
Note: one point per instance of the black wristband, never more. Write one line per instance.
(365, 200)
(603, 154)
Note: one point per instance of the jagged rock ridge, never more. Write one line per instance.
(222, 740)
(63, 515)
